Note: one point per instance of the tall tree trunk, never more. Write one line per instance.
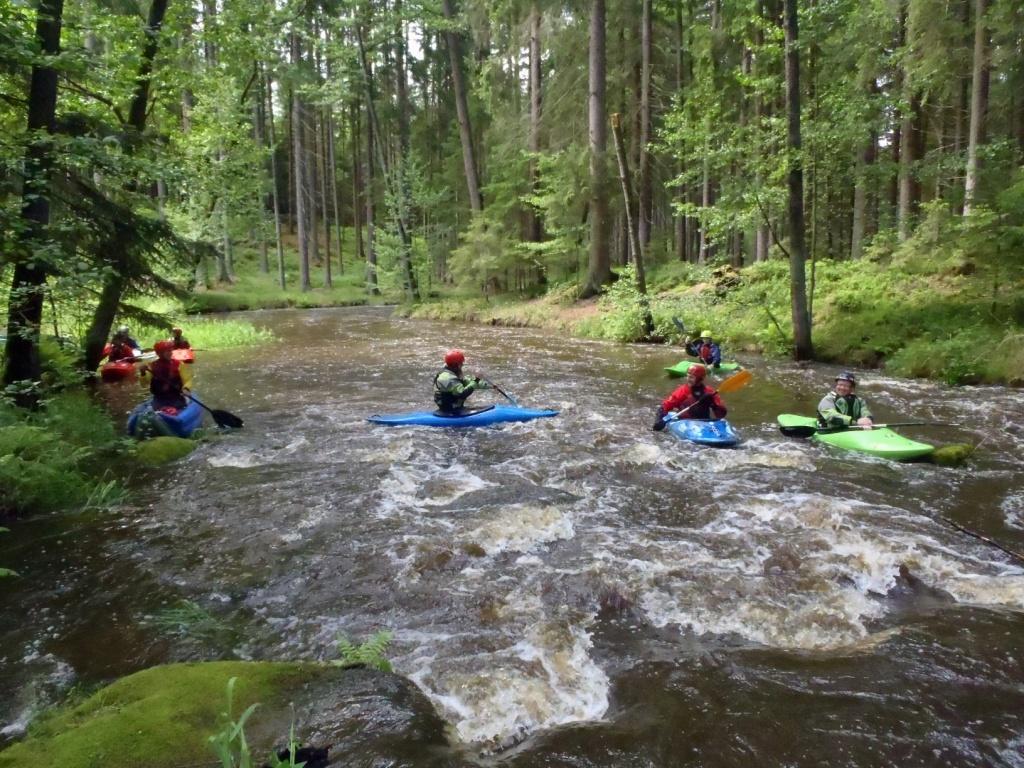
(910, 187)
(115, 282)
(860, 200)
(259, 125)
(476, 201)
(679, 218)
(536, 226)
(371, 245)
(636, 245)
(333, 171)
(404, 196)
(302, 186)
(803, 348)
(356, 143)
(28, 286)
(978, 103)
(599, 270)
(259, 132)
(324, 200)
(646, 204)
(704, 250)
(311, 175)
(273, 184)
(761, 234)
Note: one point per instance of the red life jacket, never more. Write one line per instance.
(120, 351)
(710, 405)
(166, 384)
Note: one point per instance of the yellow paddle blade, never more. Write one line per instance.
(736, 381)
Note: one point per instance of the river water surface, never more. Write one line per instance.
(575, 591)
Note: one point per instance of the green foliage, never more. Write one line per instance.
(54, 458)
(229, 743)
(187, 619)
(370, 653)
(623, 309)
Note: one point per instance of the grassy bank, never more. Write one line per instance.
(913, 318)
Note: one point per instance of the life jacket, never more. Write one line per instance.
(848, 405)
(120, 351)
(450, 398)
(166, 384)
(706, 352)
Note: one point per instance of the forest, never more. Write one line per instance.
(867, 155)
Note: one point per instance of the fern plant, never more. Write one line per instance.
(368, 654)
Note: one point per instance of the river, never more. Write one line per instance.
(575, 591)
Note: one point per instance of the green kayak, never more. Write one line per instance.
(882, 442)
(680, 369)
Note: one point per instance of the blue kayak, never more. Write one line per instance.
(145, 422)
(482, 417)
(717, 433)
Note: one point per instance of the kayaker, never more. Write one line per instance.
(451, 388)
(122, 346)
(168, 380)
(179, 341)
(706, 349)
(841, 407)
(700, 400)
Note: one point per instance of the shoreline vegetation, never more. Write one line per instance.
(917, 310)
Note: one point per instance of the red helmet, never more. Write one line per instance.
(698, 372)
(454, 358)
(163, 346)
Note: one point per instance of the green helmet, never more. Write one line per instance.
(705, 334)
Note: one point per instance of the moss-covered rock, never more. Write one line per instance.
(161, 450)
(163, 717)
(952, 455)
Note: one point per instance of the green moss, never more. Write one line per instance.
(161, 450)
(162, 717)
(952, 455)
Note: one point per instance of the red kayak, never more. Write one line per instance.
(118, 370)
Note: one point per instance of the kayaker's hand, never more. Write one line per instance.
(659, 424)
(864, 422)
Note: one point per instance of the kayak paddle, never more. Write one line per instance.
(223, 418)
(738, 380)
(501, 392)
(811, 431)
(679, 324)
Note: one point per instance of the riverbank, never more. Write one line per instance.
(898, 316)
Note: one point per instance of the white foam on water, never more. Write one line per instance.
(247, 458)
(409, 487)
(1013, 509)
(545, 679)
(793, 571)
(521, 528)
